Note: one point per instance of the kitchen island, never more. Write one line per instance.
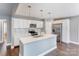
(37, 45)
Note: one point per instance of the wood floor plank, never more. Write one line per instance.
(63, 49)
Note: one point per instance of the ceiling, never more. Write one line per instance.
(7, 9)
(57, 10)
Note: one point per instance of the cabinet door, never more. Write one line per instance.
(28, 23)
(24, 24)
(21, 23)
(15, 23)
(39, 24)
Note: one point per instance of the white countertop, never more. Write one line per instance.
(30, 39)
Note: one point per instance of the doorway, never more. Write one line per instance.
(57, 29)
(3, 30)
(3, 37)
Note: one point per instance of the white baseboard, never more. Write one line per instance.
(44, 53)
(74, 42)
(71, 42)
(66, 42)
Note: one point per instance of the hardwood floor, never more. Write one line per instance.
(65, 50)
(12, 52)
(62, 50)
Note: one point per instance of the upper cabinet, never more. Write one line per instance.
(22, 23)
(39, 24)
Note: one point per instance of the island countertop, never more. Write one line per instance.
(29, 39)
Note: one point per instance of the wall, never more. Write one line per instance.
(74, 29)
(9, 30)
(48, 26)
(3, 45)
(8, 19)
(65, 29)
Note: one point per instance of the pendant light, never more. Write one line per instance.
(41, 13)
(49, 15)
(29, 8)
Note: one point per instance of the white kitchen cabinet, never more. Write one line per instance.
(15, 23)
(21, 23)
(21, 27)
(39, 24)
(26, 23)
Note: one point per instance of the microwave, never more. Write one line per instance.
(33, 26)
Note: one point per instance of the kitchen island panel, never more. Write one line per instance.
(38, 47)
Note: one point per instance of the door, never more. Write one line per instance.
(3, 37)
(57, 29)
(1, 31)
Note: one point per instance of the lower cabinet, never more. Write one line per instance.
(38, 47)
